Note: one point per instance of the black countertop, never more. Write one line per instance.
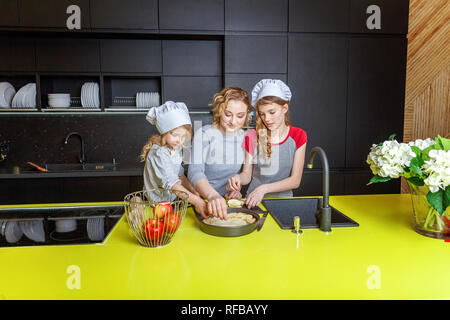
(121, 169)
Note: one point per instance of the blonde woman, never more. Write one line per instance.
(275, 151)
(217, 149)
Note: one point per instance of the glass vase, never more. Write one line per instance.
(428, 221)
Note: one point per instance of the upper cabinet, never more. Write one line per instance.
(121, 14)
(191, 15)
(192, 57)
(9, 15)
(126, 55)
(379, 16)
(17, 54)
(250, 15)
(255, 54)
(318, 15)
(53, 13)
(81, 55)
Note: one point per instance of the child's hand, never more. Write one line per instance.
(233, 195)
(201, 208)
(255, 197)
(234, 183)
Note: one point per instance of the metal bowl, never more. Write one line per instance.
(221, 231)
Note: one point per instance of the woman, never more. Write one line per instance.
(217, 152)
(275, 151)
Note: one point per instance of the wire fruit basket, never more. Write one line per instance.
(154, 223)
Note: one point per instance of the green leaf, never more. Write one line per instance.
(392, 136)
(446, 198)
(425, 152)
(443, 142)
(377, 178)
(416, 181)
(436, 199)
(416, 150)
(415, 165)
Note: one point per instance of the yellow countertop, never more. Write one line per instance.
(383, 258)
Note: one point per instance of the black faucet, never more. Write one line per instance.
(324, 207)
(82, 155)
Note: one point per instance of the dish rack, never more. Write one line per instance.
(140, 210)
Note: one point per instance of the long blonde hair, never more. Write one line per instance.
(220, 102)
(263, 133)
(160, 140)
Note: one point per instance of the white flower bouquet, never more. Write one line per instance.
(423, 163)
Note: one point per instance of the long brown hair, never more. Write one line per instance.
(220, 102)
(263, 133)
(159, 139)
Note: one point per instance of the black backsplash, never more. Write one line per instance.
(39, 138)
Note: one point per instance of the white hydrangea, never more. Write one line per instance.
(389, 159)
(437, 170)
(422, 144)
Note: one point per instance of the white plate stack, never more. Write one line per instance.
(89, 95)
(7, 93)
(58, 100)
(147, 100)
(25, 98)
(96, 229)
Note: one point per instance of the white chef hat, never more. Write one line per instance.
(270, 87)
(168, 116)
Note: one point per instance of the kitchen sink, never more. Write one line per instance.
(284, 210)
(61, 167)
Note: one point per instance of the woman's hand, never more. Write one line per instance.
(234, 183)
(233, 195)
(255, 197)
(217, 206)
(201, 207)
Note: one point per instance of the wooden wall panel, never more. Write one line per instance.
(427, 109)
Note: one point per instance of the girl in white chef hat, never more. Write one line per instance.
(163, 153)
(275, 151)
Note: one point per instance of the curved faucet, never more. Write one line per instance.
(83, 155)
(324, 207)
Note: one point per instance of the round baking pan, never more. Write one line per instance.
(221, 231)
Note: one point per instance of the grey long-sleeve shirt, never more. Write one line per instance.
(162, 170)
(216, 156)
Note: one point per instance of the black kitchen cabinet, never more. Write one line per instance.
(255, 54)
(376, 92)
(261, 15)
(124, 14)
(356, 183)
(82, 55)
(95, 189)
(311, 184)
(247, 81)
(9, 15)
(136, 183)
(318, 15)
(131, 55)
(51, 13)
(206, 15)
(318, 80)
(393, 16)
(192, 57)
(17, 54)
(196, 92)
